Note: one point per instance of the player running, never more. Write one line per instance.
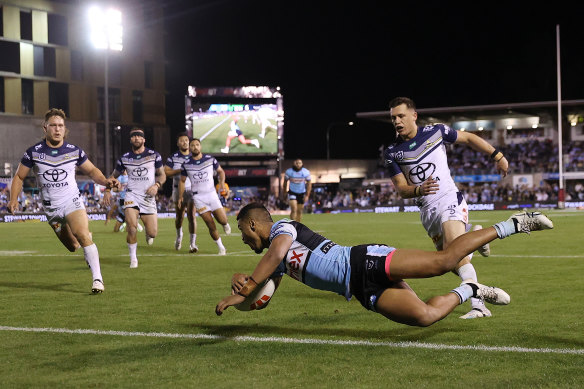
(145, 177)
(172, 169)
(373, 273)
(419, 169)
(54, 162)
(200, 169)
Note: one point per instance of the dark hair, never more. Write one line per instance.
(181, 134)
(197, 139)
(258, 209)
(402, 100)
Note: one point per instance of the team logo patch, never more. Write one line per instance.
(399, 156)
(421, 172)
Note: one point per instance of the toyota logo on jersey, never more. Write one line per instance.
(421, 172)
(55, 175)
(200, 175)
(139, 172)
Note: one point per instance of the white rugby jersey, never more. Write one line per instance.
(422, 157)
(175, 162)
(200, 172)
(141, 169)
(55, 171)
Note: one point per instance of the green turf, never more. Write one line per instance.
(175, 293)
(215, 140)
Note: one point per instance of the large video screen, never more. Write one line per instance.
(236, 121)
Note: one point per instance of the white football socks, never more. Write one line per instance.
(132, 248)
(92, 258)
(220, 244)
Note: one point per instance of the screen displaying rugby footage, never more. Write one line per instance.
(236, 121)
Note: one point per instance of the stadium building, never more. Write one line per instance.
(47, 60)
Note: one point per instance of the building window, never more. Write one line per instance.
(76, 65)
(59, 95)
(10, 58)
(45, 61)
(26, 25)
(148, 74)
(27, 97)
(57, 26)
(2, 107)
(115, 104)
(137, 107)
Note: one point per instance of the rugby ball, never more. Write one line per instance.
(259, 298)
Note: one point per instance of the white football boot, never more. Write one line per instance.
(477, 313)
(227, 229)
(97, 287)
(193, 249)
(222, 251)
(531, 221)
(133, 263)
(256, 143)
(490, 294)
(178, 243)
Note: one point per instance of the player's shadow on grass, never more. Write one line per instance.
(32, 285)
(404, 334)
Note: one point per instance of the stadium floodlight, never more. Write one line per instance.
(106, 29)
(106, 33)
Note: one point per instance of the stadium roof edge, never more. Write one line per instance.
(541, 104)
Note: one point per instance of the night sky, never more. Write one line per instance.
(334, 59)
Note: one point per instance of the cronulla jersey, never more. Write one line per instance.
(200, 172)
(298, 179)
(313, 259)
(55, 170)
(423, 157)
(123, 179)
(175, 162)
(141, 169)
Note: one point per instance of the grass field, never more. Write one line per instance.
(155, 326)
(213, 132)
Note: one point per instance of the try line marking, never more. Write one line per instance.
(418, 345)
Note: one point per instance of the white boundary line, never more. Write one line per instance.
(418, 345)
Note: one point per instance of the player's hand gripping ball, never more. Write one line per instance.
(259, 298)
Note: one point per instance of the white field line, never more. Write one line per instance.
(417, 345)
(213, 128)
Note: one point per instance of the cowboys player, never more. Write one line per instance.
(54, 162)
(172, 169)
(145, 177)
(200, 169)
(419, 169)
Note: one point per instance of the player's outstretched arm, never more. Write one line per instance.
(16, 187)
(266, 267)
(89, 169)
(479, 144)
